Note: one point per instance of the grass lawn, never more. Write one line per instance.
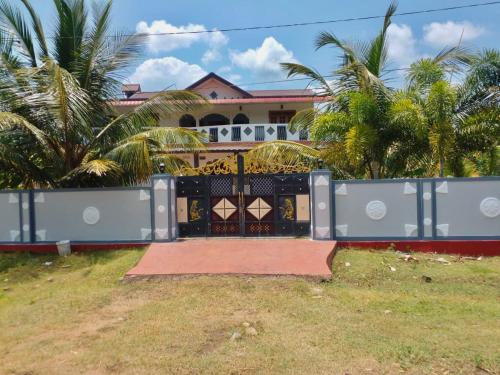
(76, 316)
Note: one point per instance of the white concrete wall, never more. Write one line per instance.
(258, 113)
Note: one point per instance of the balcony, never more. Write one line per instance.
(251, 133)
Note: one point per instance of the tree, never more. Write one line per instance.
(58, 127)
(366, 129)
(459, 121)
(352, 128)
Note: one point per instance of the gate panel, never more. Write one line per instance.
(224, 206)
(192, 206)
(259, 206)
(292, 202)
(251, 205)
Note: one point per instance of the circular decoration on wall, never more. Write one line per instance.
(91, 215)
(490, 207)
(321, 205)
(427, 196)
(26, 227)
(161, 209)
(427, 221)
(25, 206)
(376, 210)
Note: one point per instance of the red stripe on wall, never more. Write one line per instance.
(469, 248)
(80, 247)
(459, 247)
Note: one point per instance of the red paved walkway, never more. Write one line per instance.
(298, 257)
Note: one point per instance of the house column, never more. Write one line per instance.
(322, 210)
(163, 208)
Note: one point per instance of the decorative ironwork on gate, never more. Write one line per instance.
(243, 205)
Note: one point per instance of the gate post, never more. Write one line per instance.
(163, 208)
(321, 205)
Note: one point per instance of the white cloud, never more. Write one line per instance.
(157, 74)
(234, 78)
(159, 43)
(210, 56)
(265, 60)
(224, 69)
(440, 35)
(402, 45)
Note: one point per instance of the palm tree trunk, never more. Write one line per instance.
(441, 166)
(375, 168)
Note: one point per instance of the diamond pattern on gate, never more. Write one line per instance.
(261, 186)
(224, 208)
(259, 208)
(221, 186)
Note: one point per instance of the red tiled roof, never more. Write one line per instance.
(281, 93)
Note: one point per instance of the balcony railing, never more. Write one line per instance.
(251, 133)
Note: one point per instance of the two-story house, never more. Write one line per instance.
(236, 120)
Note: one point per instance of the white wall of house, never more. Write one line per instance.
(257, 113)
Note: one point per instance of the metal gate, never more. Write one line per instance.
(243, 205)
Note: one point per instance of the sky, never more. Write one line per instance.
(250, 58)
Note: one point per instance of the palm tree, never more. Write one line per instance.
(57, 123)
(352, 127)
(457, 121)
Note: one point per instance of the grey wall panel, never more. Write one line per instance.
(98, 215)
(376, 210)
(467, 208)
(10, 225)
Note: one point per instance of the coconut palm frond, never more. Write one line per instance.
(37, 28)
(294, 69)
(92, 48)
(12, 20)
(375, 56)
(359, 142)
(134, 155)
(96, 167)
(10, 121)
(406, 115)
(69, 32)
(330, 127)
(148, 113)
(325, 39)
(173, 138)
(303, 120)
(285, 152)
(454, 58)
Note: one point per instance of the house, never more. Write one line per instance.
(236, 120)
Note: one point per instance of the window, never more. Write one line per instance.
(280, 117)
(187, 121)
(303, 134)
(236, 134)
(241, 118)
(214, 119)
(282, 132)
(259, 133)
(213, 135)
